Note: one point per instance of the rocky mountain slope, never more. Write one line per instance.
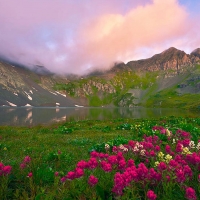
(22, 87)
(168, 79)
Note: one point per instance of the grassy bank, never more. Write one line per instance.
(41, 157)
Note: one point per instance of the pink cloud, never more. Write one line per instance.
(75, 36)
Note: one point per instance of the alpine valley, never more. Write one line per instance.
(170, 79)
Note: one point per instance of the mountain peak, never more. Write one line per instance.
(196, 52)
(171, 50)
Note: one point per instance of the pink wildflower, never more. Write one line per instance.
(92, 163)
(63, 179)
(7, 169)
(22, 165)
(157, 148)
(162, 166)
(79, 172)
(82, 164)
(71, 175)
(56, 174)
(151, 195)
(30, 174)
(107, 167)
(167, 149)
(27, 159)
(92, 180)
(94, 154)
(190, 194)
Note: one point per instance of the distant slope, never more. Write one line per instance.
(22, 87)
(168, 79)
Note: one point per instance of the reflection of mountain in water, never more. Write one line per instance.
(35, 116)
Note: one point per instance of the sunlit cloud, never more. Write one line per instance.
(73, 36)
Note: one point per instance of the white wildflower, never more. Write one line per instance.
(192, 144)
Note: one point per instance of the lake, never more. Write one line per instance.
(31, 116)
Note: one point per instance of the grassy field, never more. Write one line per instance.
(55, 150)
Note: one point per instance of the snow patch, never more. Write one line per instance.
(15, 94)
(78, 106)
(11, 104)
(57, 104)
(53, 93)
(28, 105)
(29, 97)
(61, 94)
(34, 88)
(31, 91)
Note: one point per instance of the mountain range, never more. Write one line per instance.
(168, 79)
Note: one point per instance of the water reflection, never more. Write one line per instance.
(33, 116)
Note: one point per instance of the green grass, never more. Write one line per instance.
(59, 147)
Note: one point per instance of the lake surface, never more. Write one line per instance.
(31, 116)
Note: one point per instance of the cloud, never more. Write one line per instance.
(69, 36)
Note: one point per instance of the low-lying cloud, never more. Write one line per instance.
(68, 36)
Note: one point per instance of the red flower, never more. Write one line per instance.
(30, 174)
(92, 181)
(190, 194)
(151, 195)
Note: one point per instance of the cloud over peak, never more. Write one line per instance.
(77, 36)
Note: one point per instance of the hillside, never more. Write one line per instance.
(23, 87)
(168, 79)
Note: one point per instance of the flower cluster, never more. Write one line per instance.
(157, 162)
(25, 162)
(5, 169)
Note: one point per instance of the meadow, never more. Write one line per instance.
(93, 159)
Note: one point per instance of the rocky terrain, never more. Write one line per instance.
(172, 74)
(22, 87)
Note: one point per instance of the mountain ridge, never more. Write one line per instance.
(135, 83)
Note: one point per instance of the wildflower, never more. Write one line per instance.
(7, 169)
(142, 152)
(92, 181)
(198, 146)
(82, 164)
(174, 141)
(192, 144)
(162, 166)
(30, 174)
(92, 163)
(107, 147)
(56, 174)
(63, 179)
(71, 175)
(168, 158)
(5, 149)
(160, 156)
(168, 133)
(79, 172)
(112, 159)
(152, 153)
(27, 159)
(22, 166)
(157, 148)
(179, 147)
(190, 193)
(107, 167)
(94, 154)
(59, 152)
(131, 163)
(156, 163)
(186, 151)
(167, 149)
(151, 195)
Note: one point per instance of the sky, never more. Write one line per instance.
(79, 36)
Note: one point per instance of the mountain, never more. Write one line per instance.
(22, 87)
(168, 79)
(170, 59)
